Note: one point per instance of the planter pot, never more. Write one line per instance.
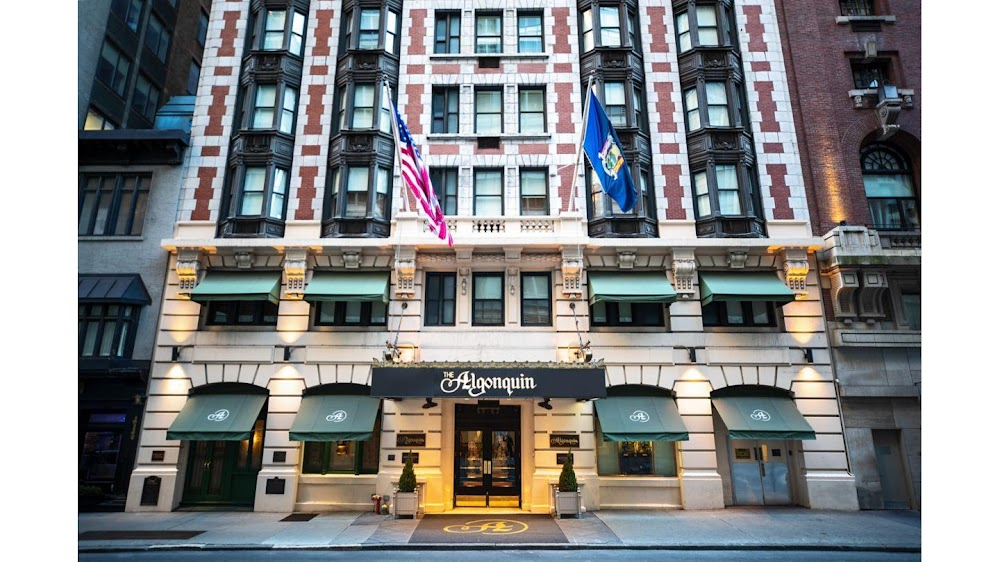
(569, 503)
(405, 504)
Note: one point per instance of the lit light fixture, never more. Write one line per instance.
(175, 352)
(808, 353)
(429, 404)
(545, 404)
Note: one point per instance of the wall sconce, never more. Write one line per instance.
(546, 404)
(429, 404)
(583, 354)
(808, 353)
(175, 352)
(287, 355)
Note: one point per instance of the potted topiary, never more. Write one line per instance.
(569, 500)
(90, 496)
(404, 500)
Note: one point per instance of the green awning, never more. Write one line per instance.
(351, 287)
(217, 417)
(335, 417)
(753, 286)
(762, 417)
(233, 286)
(640, 418)
(644, 286)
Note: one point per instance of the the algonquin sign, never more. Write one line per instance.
(473, 381)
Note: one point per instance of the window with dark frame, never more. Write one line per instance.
(447, 32)
(342, 313)
(445, 182)
(368, 28)
(489, 111)
(107, 329)
(444, 109)
(610, 22)
(488, 192)
(113, 68)
(733, 314)
(910, 303)
(391, 32)
(870, 74)
(536, 299)
(129, 11)
(274, 30)
(889, 187)
(202, 28)
(534, 191)
(857, 8)
(705, 26)
(363, 108)
(113, 204)
(614, 103)
(145, 97)
(638, 106)
(260, 189)
(633, 314)
(489, 33)
(487, 299)
(531, 109)
(529, 32)
(634, 458)
(297, 34)
(241, 313)
(439, 299)
(346, 457)
(97, 121)
(194, 72)
(157, 38)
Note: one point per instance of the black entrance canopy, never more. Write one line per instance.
(489, 380)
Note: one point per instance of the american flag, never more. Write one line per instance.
(416, 178)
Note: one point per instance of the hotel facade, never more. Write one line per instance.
(313, 334)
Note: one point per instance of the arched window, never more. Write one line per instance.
(888, 179)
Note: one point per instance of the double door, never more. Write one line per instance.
(224, 472)
(487, 457)
(760, 472)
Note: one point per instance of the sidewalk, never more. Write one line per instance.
(786, 528)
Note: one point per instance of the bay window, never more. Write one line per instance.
(719, 190)
(705, 27)
(281, 31)
(363, 194)
(262, 192)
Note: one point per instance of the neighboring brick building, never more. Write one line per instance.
(854, 70)
(296, 260)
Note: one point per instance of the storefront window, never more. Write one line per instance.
(635, 458)
(350, 457)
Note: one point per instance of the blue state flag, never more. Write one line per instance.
(604, 151)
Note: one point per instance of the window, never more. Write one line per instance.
(357, 191)
(889, 186)
(391, 31)
(693, 117)
(350, 457)
(706, 28)
(363, 110)
(911, 309)
(369, 28)
(727, 190)
(703, 202)
(129, 11)
(341, 110)
(255, 191)
(487, 299)
(340, 313)
(536, 301)
(297, 38)
(445, 182)
(534, 192)
(348, 29)
(614, 103)
(202, 28)
(157, 38)
(489, 33)
(444, 109)
(611, 34)
(146, 97)
(113, 204)
(274, 30)
(112, 68)
(739, 314)
(488, 193)
(531, 110)
(626, 314)
(107, 330)
(587, 29)
(97, 121)
(286, 122)
(381, 208)
(266, 106)
(716, 112)
(637, 107)
(439, 305)
(194, 72)
(857, 7)
(627, 458)
(489, 111)
(870, 74)
(242, 313)
(529, 32)
(447, 32)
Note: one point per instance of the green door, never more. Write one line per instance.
(224, 473)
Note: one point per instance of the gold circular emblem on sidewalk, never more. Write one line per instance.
(489, 527)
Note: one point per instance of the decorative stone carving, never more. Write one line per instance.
(888, 111)
(406, 269)
(685, 270)
(796, 270)
(296, 265)
(572, 272)
(737, 259)
(859, 101)
(512, 272)
(352, 260)
(844, 283)
(463, 272)
(873, 284)
(187, 268)
(626, 259)
(244, 259)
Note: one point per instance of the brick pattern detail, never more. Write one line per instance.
(781, 181)
(312, 129)
(667, 134)
(211, 125)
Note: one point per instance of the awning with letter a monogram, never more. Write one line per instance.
(217, 417)
(762, 417)
(335, 417)
(640, 418)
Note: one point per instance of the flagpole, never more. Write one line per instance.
(398, 161)
(583, 134)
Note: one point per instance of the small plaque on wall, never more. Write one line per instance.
(150, 491)
(275, 486)
(411, 439)
(561, 458)
(159, 456)
(565, 440)
(413, 456)
(279, 456)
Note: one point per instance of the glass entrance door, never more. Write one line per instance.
(224, 472)
(760, 472)
(487, 459)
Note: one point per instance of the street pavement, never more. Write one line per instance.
(786, 528)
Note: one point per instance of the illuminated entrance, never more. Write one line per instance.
(487, 455)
